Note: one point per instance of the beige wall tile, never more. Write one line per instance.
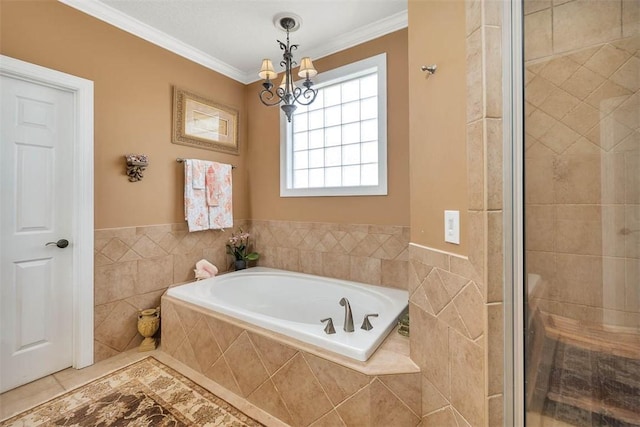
(435, 291)
(579, 279)
(467, 378)
(496, 410)
(540, 227)
(441, 418)
(585, 22)
(408, 387)
(119, 328)
(493, 12)
(495, 257)
(184, 265)
(627, 75)
(475, 82)
(204, 345)
(336, 265)
(365, 270)
(338, 382)
(246, 365)
(579, 229)
(356, 411)
(607, 60)
(559, 69)
(582, 83)
(273, 354)
(394, 273)
(332, 419)
(387, 409)
(470, 305)
(225, 333)
(493, 71)
(495, 348)
(538, 41)
(268, 398)
(577, 175)
(430, 348)
(115, 281)
(495, 168)
(531, 6)
(221, 373)
(473, 13)
(475, 165)
(630, 18)
(301, 392)
(154, 274)
(432, 399)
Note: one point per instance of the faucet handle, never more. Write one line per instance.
(329, 329)
(366, 324)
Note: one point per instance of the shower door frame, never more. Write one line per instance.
(513, 226)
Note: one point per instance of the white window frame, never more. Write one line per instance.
(346, 72)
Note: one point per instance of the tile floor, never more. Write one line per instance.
(39, 391)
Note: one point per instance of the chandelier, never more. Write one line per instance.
(287, 94)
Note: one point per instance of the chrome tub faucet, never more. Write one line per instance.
(348, 317)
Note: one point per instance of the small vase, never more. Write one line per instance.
(148, 324)
(240, 264)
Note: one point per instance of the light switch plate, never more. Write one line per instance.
(452, 227)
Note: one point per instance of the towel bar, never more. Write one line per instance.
(180, 160)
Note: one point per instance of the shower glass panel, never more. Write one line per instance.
(582, 212)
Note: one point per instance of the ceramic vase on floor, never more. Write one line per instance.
(148, 324)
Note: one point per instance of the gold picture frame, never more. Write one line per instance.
(201, 123)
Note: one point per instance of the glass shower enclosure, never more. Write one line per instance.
(582, 212)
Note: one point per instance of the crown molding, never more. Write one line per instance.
(131, 25)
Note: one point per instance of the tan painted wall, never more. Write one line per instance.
(264, 157)
(437, 121)
(133, 89)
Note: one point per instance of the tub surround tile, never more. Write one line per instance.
(332, 419)
(356, 411)
(273, 354)
(408, 387)
(299, 387)
(301, 392)
(205, 347)
(440, 418)
(387, 409)
(135, 265)
(338, 382)
(221, 374)
(268, 398)
(245, 364)
(432, 399)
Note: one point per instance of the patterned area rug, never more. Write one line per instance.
(146, 393)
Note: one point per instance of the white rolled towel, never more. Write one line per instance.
(204, 269)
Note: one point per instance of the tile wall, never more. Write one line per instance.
(135, 265)
(583, 158)
(295, 386)
(133, 268)
(372, 254)
(456, 303)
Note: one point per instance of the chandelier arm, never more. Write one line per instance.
(266, 96)
(309, 95)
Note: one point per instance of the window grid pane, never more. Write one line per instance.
(335, 142)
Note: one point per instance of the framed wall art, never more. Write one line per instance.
(202, 123)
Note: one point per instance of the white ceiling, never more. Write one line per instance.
(233, 36)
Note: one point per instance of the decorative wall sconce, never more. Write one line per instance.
(136, 164)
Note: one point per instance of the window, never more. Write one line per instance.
(337, 146)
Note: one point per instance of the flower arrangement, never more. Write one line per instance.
(238, 247)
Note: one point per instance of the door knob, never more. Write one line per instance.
(62, 243)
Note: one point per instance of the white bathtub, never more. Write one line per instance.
(293, 304)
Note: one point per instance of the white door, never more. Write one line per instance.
(36, 201)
